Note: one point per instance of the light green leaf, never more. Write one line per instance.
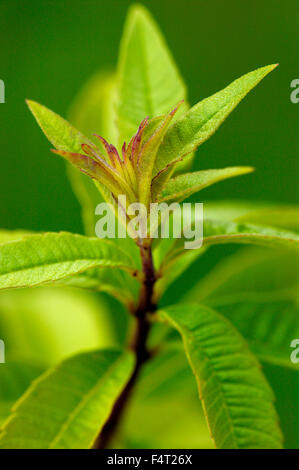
(58, 131)
(65, 138)
(147, 158)
(216, 232)
(182, 186)
(237, 399)
(66, 407)
(172, 258)
(203, 119)
(38, 259)
(116, 282)
(12, 235)
(92, 112)
(255, 212)
(15, 378)
(257, 290)
(148, 83)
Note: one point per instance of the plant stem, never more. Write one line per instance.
(138, 346)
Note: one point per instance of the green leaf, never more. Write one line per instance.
(172, 258)
(216, 232)
(237, 399)
(15, 378)
(68, 141)
(148, 155)
(92, 112)
(116, 282)
(38, 259)
(12, 235)
(255, 212)
(257, 290)
(182, 186)
(203, 119)
(58, 131)
(66, 407)
(148, 83)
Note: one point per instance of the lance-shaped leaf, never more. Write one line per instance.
(172, 258)
(284, 216)
(66, 407)
(92, 111)
(71, 144)
(147, 156)
(38, 259)
(216, 232)
(257, 290)
(182, 186)
(58, 131)
(203, 119)
(148, 82)
(237, 399)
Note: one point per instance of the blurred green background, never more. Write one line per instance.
(49, 49)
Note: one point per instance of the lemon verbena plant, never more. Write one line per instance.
(137, 139)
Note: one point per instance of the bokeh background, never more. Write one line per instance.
(49, 49)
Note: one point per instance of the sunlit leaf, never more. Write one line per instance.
(257, 290)
(237, 399)
(229, 232)
(203, 119)
(182, 186)
(92, 112)
(38, 259)
(66, 407)
(148, 83)
(272, 214)
(172, 258)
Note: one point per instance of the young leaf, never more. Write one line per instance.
(203, 119)
(257, 291)
(148, 155)
(38, 259)
(92, 111)
(148, 82)
(182, 186)
(237, 399)
(66, 407)
(58, 131)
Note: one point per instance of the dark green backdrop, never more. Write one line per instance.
(49, 48)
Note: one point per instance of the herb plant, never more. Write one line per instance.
(143, 113)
